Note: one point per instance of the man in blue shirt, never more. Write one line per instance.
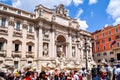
(117, 72)
(102, 75)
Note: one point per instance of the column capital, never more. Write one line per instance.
(37, 27)
(52, 30)
(69, 32)
(25, 25)
(11, 23)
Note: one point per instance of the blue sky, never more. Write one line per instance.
(92, 15)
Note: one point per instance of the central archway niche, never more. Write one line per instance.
(61, 46)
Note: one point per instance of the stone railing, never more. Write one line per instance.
(30, 35)
(16, 54)
(3, 30)
(30, 54)
(17, 33)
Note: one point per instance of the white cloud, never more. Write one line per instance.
(29, 5)
(77, 2)
(16, 3)
(79, 13)
(106, 25)
(24, 4)
(83, 24)
(117, 21)
(92, 2)
(113, 10)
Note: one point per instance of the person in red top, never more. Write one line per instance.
(80, 77)
(28, 76)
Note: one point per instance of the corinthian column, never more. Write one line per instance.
(40, 38)
(52, 43)
(10, 35)
(24, 28)
(69, 51)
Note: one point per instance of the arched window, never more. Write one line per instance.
(17, 45)
(30, 46)
(18, 25)
(61, 48)
(2, 43)
(3, 22)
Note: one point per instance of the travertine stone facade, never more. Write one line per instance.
(41, 37)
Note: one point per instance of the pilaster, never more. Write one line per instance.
(36, 34)
(40, 36)
(69, 54)
(10, 36)
(52, 43)
(24, 31)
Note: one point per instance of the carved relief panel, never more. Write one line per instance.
(73, 39)
(46, 33)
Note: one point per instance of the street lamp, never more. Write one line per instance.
(86, 48)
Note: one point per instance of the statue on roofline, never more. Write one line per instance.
(61, 10)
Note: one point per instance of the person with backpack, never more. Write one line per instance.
(84, 74)
(94, 71)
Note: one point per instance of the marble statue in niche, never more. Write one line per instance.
(60, 52)
(73, 39)
(53, 18)
(45, 49)
(73, 52)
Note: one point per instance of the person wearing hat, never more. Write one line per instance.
(17, 75)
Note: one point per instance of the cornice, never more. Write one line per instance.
(16, 8)
(16, 16)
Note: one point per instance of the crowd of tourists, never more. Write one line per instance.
(54, 74)
(98, 72)
(106, 72)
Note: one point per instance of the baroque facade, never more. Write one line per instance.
(45, 38)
